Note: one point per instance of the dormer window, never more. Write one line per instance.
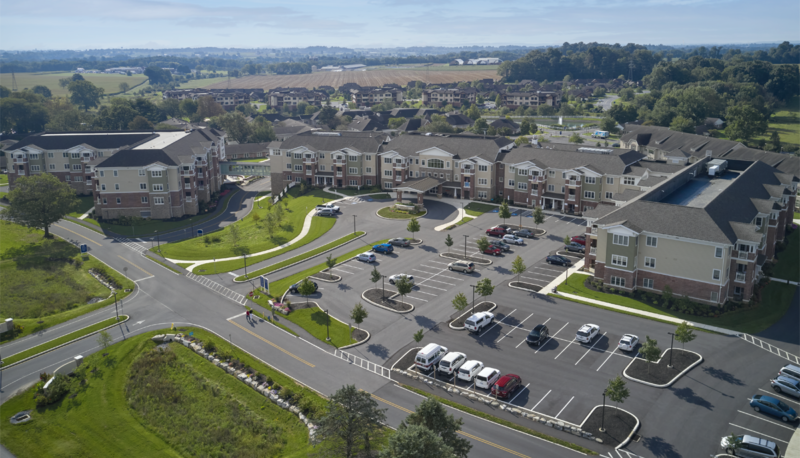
(759, 221)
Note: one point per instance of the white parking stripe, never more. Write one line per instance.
(523, 340)
(515, 327)
(444, 282)
(424, 271)
(565, 348)
(604, 362)
(544, 268)
(499, 322)
(779, 396)
(551, 337)
(434, 287)
(590, 348)
(565, 406)
(354, 267)
(416, 298)
(427, 294)
(540, 400)
(762, 419)
(520, 392)
(438, 262)
(760, 434)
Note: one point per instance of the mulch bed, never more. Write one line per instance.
(659, 373)
(300, 304)
(479, 307)
(528, 286)
(406, 361)
(325, 276)
(460, 257)
(359, 334)
(618, 425)
(376, 296)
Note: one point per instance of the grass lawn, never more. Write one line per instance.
(464, 220)
(775, 302)
(3, 179)
(265, 315)
(477, 209)
(788, 128)
(300, 257)
(46, 282)
(251, 233)
(185, 265)
(85, 204)
(141, 402)
(391, 212)
(319, 227)
(61, 340)
(202, 82)
(110, 83)
(313, 320)
(796, 215)
(788, 265)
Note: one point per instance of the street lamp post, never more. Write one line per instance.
(115, 305)
(672, 340)
(125, 269)
(603, 415)
(159, 241)
(383, 280)
(245, 266)
(465, 246)
(327, 325)
(473, 299)
(354, 224)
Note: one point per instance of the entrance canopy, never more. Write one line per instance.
(419, 185)
(260, 169)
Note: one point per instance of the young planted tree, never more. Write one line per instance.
(518, 267)
(403, 286)
(358, 314)
(413, 227)
(234, 235)
(306, 288)
(684, 334)
(617, 391)
(352, 418)
(279, 212)
(483, 244)
(419, 335)
(448, 242)
(104, 339)
(433, 416)
(650, 351)
(484, 288)
(271, 224)
(330, 261)
(538, 216)
(566, 240)
(375, 276)
(733, 444)
(39, 201)
(460, 302)
(504, 212)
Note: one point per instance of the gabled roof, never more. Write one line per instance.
(565, 157)
(502, 122)
(460, 146)
(364, 142)
(98, 140)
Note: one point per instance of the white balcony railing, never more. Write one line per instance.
(187, 173)
(187, 186)
(743, 254)
(468, 171)
(202, 188)
(740, 277)
(594, 230)
(574, 182)
(571, 198)
(593, 250)
(188, 199)
(20, 160)
(339, 174)
(309, 172)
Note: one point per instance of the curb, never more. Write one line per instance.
(462, 327)
(303, 260)
(692, 366)
(628, 439)
(340, 321)
(127, 317)
(363, 296)
(523, 289)
(489, 261)
(337, 264)
(416, 243)
(404, 355)
(326, 281)
(399, 219)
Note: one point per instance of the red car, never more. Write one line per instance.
(493, 249)
(579, 239)
(506, 385)
(496, 231)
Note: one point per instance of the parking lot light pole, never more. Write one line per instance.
(159, 241)
(115, 305)
(245, 266)
(603, 415)
(327, 325)
(465, 246)
(672, 341)
(383, 298)
(354, 224)
(473, 299)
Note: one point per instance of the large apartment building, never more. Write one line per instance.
(455, 97)
(289, 96)
(367, 97)
(149, 174)
(703, 237)
(228, 98)
(514, 100)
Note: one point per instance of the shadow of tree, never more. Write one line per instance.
(343, 287)
(660, 448)
(425, 322)
(688, 395)
(723, 375)
(378, 350)
(428, 248)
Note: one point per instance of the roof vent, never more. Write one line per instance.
(327, 134)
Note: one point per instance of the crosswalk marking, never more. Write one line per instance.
(128, 243)
(216, 287)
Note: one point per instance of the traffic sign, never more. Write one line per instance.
(264, 281)
(84, 248)
(199, 232)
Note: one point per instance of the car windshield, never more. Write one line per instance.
(583, 333)
(534, 334)
(783, 406)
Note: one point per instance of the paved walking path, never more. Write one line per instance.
(461, 214)
(86, 215)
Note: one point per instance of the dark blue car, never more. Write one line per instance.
(383, 248)
(293, 288)
(772, 406)
(560, 260)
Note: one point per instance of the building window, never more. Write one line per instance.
(620, 240)
(116, 186)
(52, 166)
(102, 187)
(352, 170)
(618, 281)
(352, 158)
(34, 168)
(367, 157)
(483, 168)
(76, 167)
(388, 160)
(588, 194)
(79, 178)
(523, 172)
(388, 185)
(102, 173)
(759, 221)
(353, 183)
(298, 156)
(482, 194)
(617, 260)
(551, 188)
(589, 180)
(387, 173)
(298, 168)
(143, 186)
(435, 163)
(321, 168)
(522, 186)
(562, 189)
(369, 170)
(609, 180)
(609, 195)
(628, 180)
(76, 155)
(511, 183)
(144, 199)
(66, 166)
(369, 182)
(552, 173)
(289, 166)
(105, 201)
(650, 262)
(155, 173)
(718, 252)
(651, 241)
(50, 154)
(116, 174)
(716, 274)
(482, 181)
(158, 200)
(119, 201)
(714, 296)
(158, 187)
(141, 173)
(647, 283)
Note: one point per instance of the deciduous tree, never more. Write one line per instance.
(352, 420)
(104, 339)
(358, 314)
(538, 216)
(413, 227)
(84, 94)
(518, 267)
(123, 87)
(207, 107)
(39, 201)
(650, 351)
(460, 302)
(306, 288)
(744, 121)
(433, 417)
(504, 212)
(416, 442)
(684, 334)
(404, 286)
(419, 335)
(617, 391)
(448, 242)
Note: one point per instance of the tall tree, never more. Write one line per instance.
(84, 94)
(775, 142)
(404, 286)
(62, 115)
(44, 91)
(306, 288)
(235, 125)
(123, 87)
(681, 124)
(207, 107)
(684, 334)
(416, 442)
(504, 212)
(617, 391)
(744, 121)
(538, 216)
(140, 123)
(352, 418)
(327, 116)
(518, 267)
(448, 242)
(262, 131)
(483, 243)
(576, 138)
(188, 107)
(650, 351)
(432, 415)
(39, 201)
(358, 314)
(413, 227)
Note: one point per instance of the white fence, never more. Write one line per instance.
(384, 372)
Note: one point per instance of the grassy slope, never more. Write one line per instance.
(3, 179)
(85, 204)
(98, 422)
(774, 304)
(788, 265)
(110, 83)
(788, 129)
(252, 234)
(477, 209)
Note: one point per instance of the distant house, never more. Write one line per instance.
(504, 123)
(485, 61)
(703, 130)
(459, 120)
(457, 62)
(715, 123)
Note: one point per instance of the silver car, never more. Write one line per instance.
(751, 447)
(575, 246)
(395, 278)
(782, 384)
(399, 242)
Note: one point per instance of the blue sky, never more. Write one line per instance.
(82, 24)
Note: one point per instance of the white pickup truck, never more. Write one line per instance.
(332, 207)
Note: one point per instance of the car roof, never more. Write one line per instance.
(589, 325)
(471, 363)
(758, 441)
(487, 370)
(368, 252)
(429, 348)
(788, 380)
(539, 326)
(506, 378)
(766, 398)
(791, 366)
(453, 355)
(630, 336)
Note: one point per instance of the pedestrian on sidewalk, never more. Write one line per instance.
(247, 315)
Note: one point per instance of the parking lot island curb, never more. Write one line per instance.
(630, 436)
(325, 280)
(692, 366)
(457, 328)
(404, 355)
(485, 262)
(364, 296)
(399, 219)
(524, 289)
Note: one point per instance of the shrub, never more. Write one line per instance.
(306, 404)
(269, 380)
(286, 393)
(206, 239)
(210, 346)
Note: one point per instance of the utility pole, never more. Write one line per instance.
(473, 299)
(159, 241)
(327, 325)
(672, 340)
(354, 224)
(603, 415)
(465, 246)
(245, 266)
(115, 305)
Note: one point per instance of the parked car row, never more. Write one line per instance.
(388, 247)
(328, 210)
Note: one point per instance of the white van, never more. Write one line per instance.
(429, 355)
(600, 134)
(451, 362)
(469, 370)
(486, 377)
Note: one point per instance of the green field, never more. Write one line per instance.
(788, 265)
(139, 401)
(392, 213)
(788, 128)
(252, 234)
(110, 83)
(3, 179)
(477, 208)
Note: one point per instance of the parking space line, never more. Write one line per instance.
(565, 406)
(515, 327)
(438, 262)
(428, 294)
(779, 396)
(444, 282)
(762, 419)
(434, 287)
(540, 401)
(523, 340)
(520, 392)
(549, 270)
(423, 271)
(416, 298)
(590, 348)
(565, 348)
(551, 337)
(354, 267)
(604, 362)
(512, 312)
(760, 434)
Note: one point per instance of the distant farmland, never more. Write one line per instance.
(109, 82)
(367, 78)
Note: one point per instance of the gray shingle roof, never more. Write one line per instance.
(461, 146)
(365, 142)
(420, 184)
(627, 195)
(177, 152)
(67, 140)
(564, 157)
(246, 148)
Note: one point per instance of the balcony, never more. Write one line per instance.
(20, 160)
(593, 251)
(466, 185)
(594, 230)
(467, 171)
(187, 186)
(537, 178)
(202, 188)
(574, 182)
(740, 277)
(339, 174)
(86, 158)
(339, 161)
(309, 173)
(399, 166)
(571, 198)
(187, 173)
(309, 160)
(188, 199)
(743, 255)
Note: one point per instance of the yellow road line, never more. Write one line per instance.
(79, 235)
(134, 265)
(270, 343)
(499, 447)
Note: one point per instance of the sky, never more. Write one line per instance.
(94, 24)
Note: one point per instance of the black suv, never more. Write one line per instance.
(293, 288)
(538, 335)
